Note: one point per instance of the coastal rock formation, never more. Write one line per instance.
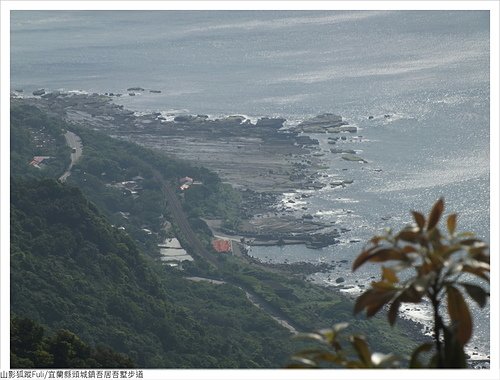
(190, 118)
(260, 158)
(341, 183)
(352, 157)
(39, 92)
(327, 122)
(267, 122)
(306, 140)
(53, 94)
(346, 151)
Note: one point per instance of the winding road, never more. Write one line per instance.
(75, 143)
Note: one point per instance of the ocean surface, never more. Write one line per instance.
(428, 70)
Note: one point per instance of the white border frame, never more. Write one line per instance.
(492, 6)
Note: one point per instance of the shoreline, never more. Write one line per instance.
(260, 159)
(284, 149)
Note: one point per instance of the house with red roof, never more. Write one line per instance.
(222, 246)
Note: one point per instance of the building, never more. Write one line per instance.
(222, 246)
(37, 161)
(186, 180)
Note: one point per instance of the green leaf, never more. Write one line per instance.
(465, 234)
(340, 326)
(435, 214)
(383, 285)
(473, 242)
(373, 300)
(362, 258)
(311, 336)
(303, 363)
(328, 357)
(389, 254)
(379, 255)
(297, 366)
(477, 293)
(454, 355)
(330, 335)
(414, 361)
(449, 250)
(393, 312)
(389, 275)
(419, 219)
(452, 223)
(410, 236)
(477, 268)
(380, 360)
(362, 349)
(459, 314)
(478, 253)
(313, 353)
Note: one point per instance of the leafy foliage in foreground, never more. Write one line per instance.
(338, 350)
(422, 262)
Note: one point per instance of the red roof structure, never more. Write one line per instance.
(222, 246)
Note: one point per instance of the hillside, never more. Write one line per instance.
(70, 269)
(82, 259)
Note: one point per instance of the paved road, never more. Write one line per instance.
(75, 143)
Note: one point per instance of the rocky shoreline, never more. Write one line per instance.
(261, 159)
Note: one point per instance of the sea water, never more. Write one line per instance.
(427, 70)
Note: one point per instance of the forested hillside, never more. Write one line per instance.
(81, 261)
(34, 133)
(70, 269)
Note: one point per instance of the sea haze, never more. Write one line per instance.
(428, 70)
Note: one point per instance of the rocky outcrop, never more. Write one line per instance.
(342, 183)
(190, 119)
(306, 140)
(39, 92)
(327, 122)
(53, 94)
(345, 151)
(267, 122)
(352, 157)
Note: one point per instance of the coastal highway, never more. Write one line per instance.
(75, 143)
